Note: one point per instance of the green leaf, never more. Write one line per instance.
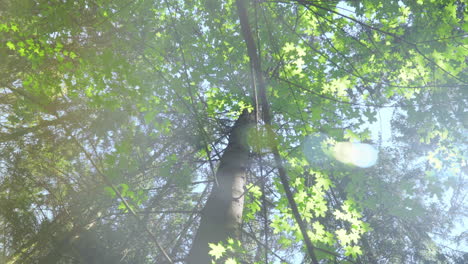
(10, 45)
(285, 242)
(353, 251)
(342, 235)
(217, 250)
(110, 191)
(231, 261)
(72, 55)
(14, 27)
(124, 189)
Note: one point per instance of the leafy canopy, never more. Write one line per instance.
(114, 108)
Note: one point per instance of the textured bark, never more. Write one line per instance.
(222, 215)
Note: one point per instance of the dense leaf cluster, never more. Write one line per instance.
(114, 116)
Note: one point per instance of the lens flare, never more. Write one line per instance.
(358, 154)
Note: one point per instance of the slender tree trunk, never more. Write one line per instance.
(267, 118)
(222, 215)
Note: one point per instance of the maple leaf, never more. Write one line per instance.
(216, 250)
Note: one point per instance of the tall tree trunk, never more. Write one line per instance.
(222, 215)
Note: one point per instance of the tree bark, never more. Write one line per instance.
(222, 215)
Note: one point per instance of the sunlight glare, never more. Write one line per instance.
(359, 154)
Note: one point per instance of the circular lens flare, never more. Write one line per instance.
(358, 154)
